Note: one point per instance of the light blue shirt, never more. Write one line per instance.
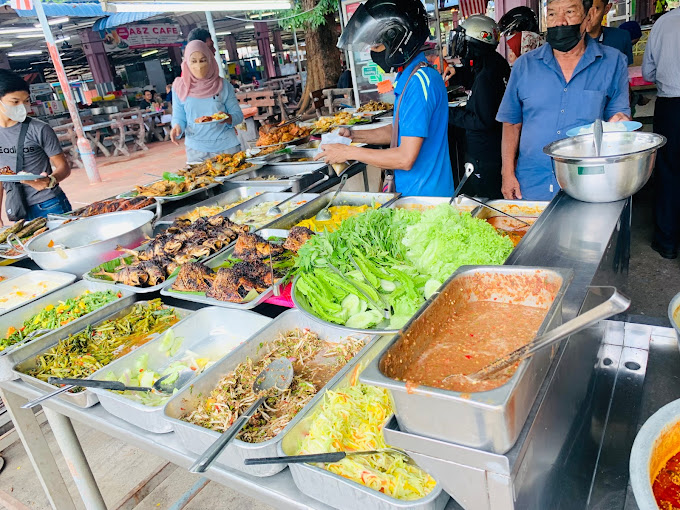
(661, 63)
(424, 113)
(547, 106)
(212, 137)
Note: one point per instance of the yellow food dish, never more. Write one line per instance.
(339, 213)
(211, 210)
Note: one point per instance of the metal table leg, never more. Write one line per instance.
(366, 178)
(75, 459)
(38, 451)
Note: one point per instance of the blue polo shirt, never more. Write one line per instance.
(424, 112)
(547, 106)
(619, 39)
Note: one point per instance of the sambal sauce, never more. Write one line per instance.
(472, 337)
(666, 485)
(512, 229)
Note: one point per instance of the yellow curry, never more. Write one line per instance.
(339, 213)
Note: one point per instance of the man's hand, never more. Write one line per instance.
(333, 153)
(510, 187)
(450, 72)
(346, 132)
(175, 133)
(226, 120)
(38, 184)
(619, 117)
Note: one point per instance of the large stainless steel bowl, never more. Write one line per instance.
(625, 164)
(674, 314)
(78, 246)
(657, 441)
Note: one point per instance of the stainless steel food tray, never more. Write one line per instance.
(462, 203)
(334, 490)
(269, 197)
(253, 166)
(300, 176)
(353, 198)
(70, 216)
(288, 158)
(173, 198)
(9, 273)
(209, 333)
(490, 420)
(197, 439)
(223, 199)
(216, 261)
(533, 208)
(10, 356)
(62, 280)
(27, 357)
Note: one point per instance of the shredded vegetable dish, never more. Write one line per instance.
(315, 362)
(339, 213)
(84, 353)
(351, 419)
(257, 215)
(56, 316)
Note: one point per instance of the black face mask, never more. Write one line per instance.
(379, 58)
(564, 37)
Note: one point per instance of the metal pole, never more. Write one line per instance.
(297, 52)
(84, 147)
(438, 35)
(213, 36)
(75, 459)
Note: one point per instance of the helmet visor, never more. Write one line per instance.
(363, 30)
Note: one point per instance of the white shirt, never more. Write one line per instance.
(661, 63)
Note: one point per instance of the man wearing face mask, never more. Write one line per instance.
(41, 154)
(568, 82)
(475, 42)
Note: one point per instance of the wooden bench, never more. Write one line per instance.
(69, 142)
(128, 124)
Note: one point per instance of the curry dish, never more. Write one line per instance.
(666, 485)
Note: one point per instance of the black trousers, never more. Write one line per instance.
(486, 180)
(667, 203)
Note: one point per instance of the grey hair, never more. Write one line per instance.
(587, 4)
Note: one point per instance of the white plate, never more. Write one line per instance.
(20, 177)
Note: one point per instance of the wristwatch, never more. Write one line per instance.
(53, 182)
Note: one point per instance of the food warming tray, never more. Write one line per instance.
(171, 198)
(298, 176)
(464, 204)
(10, 273)
(10, 356)
(333, 489)
(269, 197)
(28, 356)
(253, 166)
(353, 198)
(520, 208)
(215, 262)
(490, 420)
(197, 439)
(33, 277)
(209, 333)
(290, 158)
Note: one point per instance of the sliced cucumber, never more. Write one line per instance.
(147, 378)
(364, 320)
(167, 341)
(387, 285)
(351, 304)
(141, 362)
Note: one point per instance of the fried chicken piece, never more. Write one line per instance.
(252, 247)
(225, 288)
(194, 277)
(297, 237)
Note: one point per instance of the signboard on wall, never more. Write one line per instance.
(152, 35)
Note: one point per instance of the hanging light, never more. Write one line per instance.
(189, 6)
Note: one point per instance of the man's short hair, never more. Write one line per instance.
(198, 34)
(12, 82)
(587, 4)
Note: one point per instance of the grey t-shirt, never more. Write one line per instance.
(40, 145)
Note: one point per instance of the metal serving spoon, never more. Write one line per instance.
(323, 214)
(321, 457)
(496, 210)
(70, 383)
(275, 210)
(469, 168)
(616, 303)
(278, 374)
(597, 136)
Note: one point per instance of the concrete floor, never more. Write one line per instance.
(118, 467)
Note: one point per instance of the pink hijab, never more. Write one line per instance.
(188, 85)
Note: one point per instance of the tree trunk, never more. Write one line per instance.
(323, 57)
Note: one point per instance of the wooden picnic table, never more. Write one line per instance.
(93, 132)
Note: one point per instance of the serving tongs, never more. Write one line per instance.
(469, 168)
(380, 307)
(324, 458)
(496, 209)
(616, 303)
(323, 214)
(275, 210)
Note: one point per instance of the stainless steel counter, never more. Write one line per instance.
(589, 238)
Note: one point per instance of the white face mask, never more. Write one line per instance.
(16, 113)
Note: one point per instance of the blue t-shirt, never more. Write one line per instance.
(619, 39)
(208, 137)
(547, 106)
(424, 112)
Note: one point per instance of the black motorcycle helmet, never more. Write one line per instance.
(519, 19)
(401, 25)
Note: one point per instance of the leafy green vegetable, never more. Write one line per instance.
(172, 177)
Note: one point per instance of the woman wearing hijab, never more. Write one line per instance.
(199, 92)
(520, 28)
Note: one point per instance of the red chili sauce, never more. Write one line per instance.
(472, 337)
(511, 228)
(666, 485)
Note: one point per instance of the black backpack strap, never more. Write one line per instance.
(20, 144)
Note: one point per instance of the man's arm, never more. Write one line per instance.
(648, 62)
(402, 157)
(378, 136)
(509, 149)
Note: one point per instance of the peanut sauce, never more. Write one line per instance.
(472, 337)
